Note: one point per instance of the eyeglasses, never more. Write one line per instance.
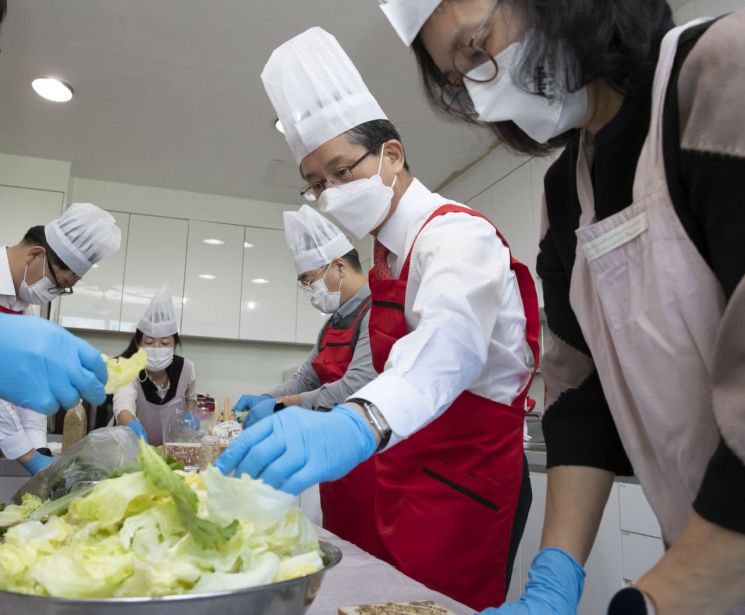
(342, 175)
(57, 289)
(305, 284)
(454, 95)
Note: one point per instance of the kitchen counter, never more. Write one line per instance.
(361, 578)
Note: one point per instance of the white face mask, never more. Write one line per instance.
(322, 298)
(159, 358)
(38, 293)
(360, 206)
(542, 116)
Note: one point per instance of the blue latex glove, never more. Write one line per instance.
(555, 583)
(247, 402)
(137, 427)
(297, 448)
(37, 463)
(191, 421)
(43, 366)
(260, 410)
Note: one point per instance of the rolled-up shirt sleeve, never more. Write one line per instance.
(125, 399)
(463, 267)
(14, 441)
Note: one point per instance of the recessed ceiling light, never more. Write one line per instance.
(213, 242)
(251, 305)
(52, 89)
(279, 127)
(95, 266)
(207, 276)
(260, 281)
(247, 245)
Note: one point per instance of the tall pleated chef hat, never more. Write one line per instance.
(408, 16)
(316, 91)
(313, 240)
(83, 236)
(159, 320)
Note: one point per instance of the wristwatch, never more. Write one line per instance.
(377, 421)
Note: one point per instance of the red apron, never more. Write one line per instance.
(347, 503)
(4, 310)
(446, 496)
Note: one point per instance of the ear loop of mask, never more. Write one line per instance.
(380, 167)
(43, 269)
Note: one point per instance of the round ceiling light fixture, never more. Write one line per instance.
(52, 89)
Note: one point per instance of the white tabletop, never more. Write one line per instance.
(361, 578)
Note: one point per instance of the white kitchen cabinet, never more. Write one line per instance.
(212, 282)
(22, 208)
(309, 320)
(636, 513)
(156, 255)
(639, 554)
(96, 302)
(269, 298)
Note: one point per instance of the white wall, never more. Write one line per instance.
(706, 8)
(224, 367)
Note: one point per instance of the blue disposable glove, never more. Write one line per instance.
(37, 463)
(297, 448)
(191, 421)
(555, 583)
(260, 410)
(43, 366)
(247, 402)
(137, 427)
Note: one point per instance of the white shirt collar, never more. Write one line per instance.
(415, 202)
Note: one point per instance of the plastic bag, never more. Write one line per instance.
(97, 456)
(183, 431)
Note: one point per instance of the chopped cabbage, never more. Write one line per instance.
(123, 371)
(159, 532)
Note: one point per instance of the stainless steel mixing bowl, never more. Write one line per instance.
(285, 598)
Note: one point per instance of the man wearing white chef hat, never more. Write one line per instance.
(339, 364)
(451, 314)
(46, 264)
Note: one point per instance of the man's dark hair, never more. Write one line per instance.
(613, 40)
(35, 236)
(353, 259)
(371, 135)
(136, 340)
(3, 9)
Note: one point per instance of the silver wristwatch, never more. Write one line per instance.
(377, 421)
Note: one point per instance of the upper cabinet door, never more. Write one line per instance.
(309, 320)
(212, 286)
(156, 255)
(22, 208)
(96, 302)
(269, 297)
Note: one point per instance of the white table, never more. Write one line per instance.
(361, 578)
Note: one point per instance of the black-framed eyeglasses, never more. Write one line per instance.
(342, 175)
(454, 95)
(57, 289)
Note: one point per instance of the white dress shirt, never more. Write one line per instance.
(464, 312)
(20, 429)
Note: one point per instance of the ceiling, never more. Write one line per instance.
(168, 94)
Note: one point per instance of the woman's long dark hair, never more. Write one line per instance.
(611, 40)
(136, 341)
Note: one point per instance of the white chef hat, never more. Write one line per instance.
(313, 240)
(82, 236)
(316, 91)
(159, 320)
(408, 16)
